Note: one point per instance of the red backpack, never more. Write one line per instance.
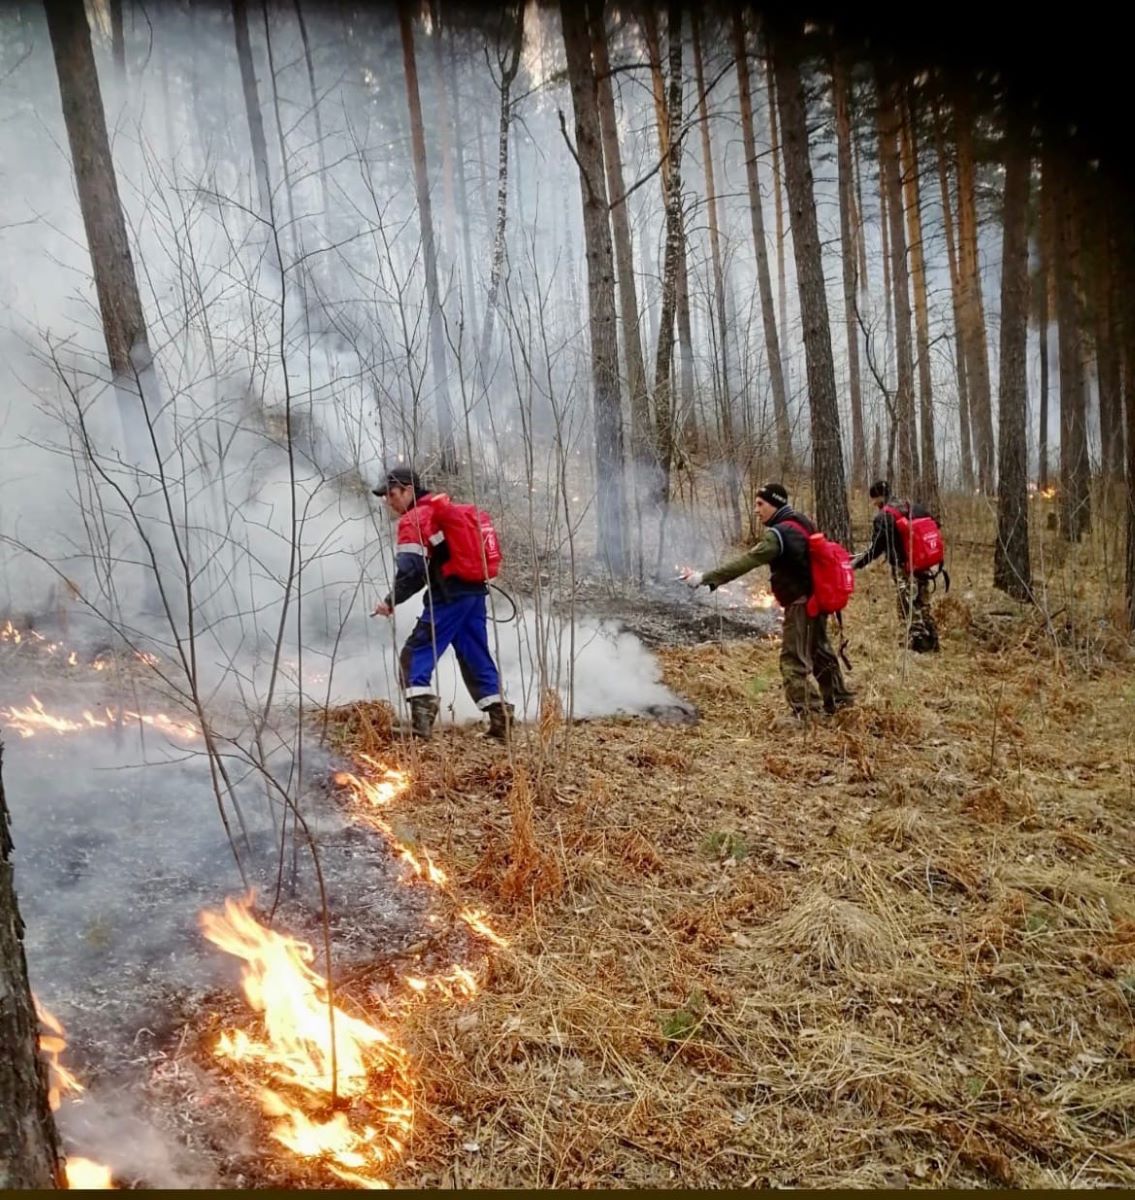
(833, 577)
(474, 548)
(921, 538)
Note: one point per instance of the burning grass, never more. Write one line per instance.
(893, 948)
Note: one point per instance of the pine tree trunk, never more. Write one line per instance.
(1075, 471)
(118, 40)
(760, 245)
(443, 125)
(1107, 348)
(973, 314)
(912, 190)
(470, 289)
(778, 209)
(318, 118)
(848, 256)
(252, 105)
(1127, 252)
(725, 407)
(29, 1146)
(964, 421)
(1045, 244)
(885, 237)
(496, 267)
(907, 430)
(668, 111)
(600, 289)
(438, 352)
(827, 455)
(644, 454)
(1011, 571)
(124, 326)
(857, 216)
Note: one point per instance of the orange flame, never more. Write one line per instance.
(476, 921)
(317, 1049)
(381, 793)
(83, 1174)
(80, 1172)
(27, 722)
(60, 1081)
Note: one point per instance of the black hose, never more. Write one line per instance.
(512, 605)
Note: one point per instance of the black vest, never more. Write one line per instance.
(791, 571)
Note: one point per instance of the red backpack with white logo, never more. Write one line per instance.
(833, 577)
(474, 548)
(922, 543)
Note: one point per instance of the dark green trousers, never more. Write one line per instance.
(808, 664)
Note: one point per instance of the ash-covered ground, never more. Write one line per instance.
(118, 848)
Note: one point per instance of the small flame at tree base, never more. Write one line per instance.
(79, 1172)
(86, 1175)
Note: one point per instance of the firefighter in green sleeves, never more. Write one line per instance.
(809, 666)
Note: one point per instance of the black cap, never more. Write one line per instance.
(399, 477)
(775, 494)
(879, 490)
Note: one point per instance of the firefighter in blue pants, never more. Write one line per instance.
(454, 613)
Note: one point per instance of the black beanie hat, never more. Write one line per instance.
(775, 494)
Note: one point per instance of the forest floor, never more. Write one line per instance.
(894, 947)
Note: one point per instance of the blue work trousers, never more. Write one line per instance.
(463, 624)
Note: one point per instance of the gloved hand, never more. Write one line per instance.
(692, 579)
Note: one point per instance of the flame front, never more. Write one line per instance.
(29, 721)
(353, 1073)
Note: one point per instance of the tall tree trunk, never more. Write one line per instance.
(907, 430)
(443, 126)
(912, 190)
(285, 168)
(1127, 317)
(252, 105)
(973, 314)
(885, 236)
(438, 352)
(644, 451)
(120, 305)
(1011, 572)
(600, 289)
(118, 40)
(668, 110)
(964, 421)
(760, 245)
(848, 256)
(728, 435)
(1075, 470)
(1046, 242)
(857, 216)
(508, 69)
(1107, 347)
(827, 456)
(470, 290)
(317, 116)
(778, 208)
(29, 1146)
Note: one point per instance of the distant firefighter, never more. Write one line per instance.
(910, 540)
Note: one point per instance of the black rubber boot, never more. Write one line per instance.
(500, 720)
(423, 713)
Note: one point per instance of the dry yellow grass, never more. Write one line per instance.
(895, 947)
